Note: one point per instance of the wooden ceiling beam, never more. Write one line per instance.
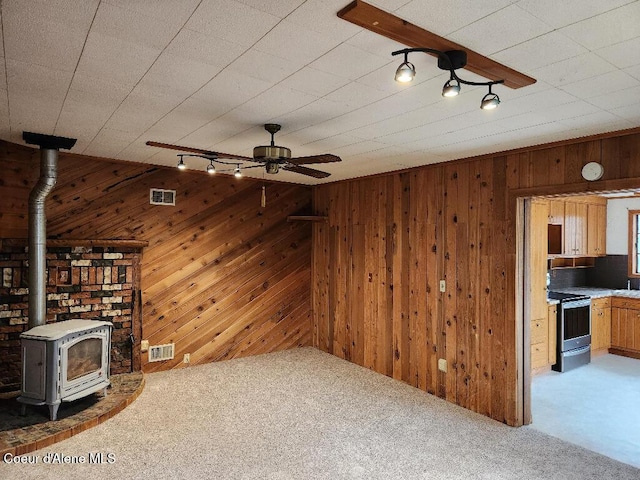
(388, 25)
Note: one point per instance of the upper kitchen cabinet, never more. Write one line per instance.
(596, 229)
(577, 227)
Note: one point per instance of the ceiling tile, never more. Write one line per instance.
(559, 14)
(349, 62)
(314, 82)
(46, 33)
(309, 45)
(621, 98)
(623, 54)
(443, 18)
(373, 43)
(628, 112)
(313, 113)
(134, 27)
(609, 82)
(568, 110)
(608, 28)
(281, 8)
(514, 24)
(264, 66)
(109, 142)
(633, 71)
(276, 102)
(321, 16)
(178, 76)
(141, 109)
(113, 59)
(229, 90)
(170, 11)
(199, 47)
(573, 69)
(355, 95)
(231, 21)
(539, 52)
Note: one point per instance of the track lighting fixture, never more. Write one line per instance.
(213, 161)
(451, 61)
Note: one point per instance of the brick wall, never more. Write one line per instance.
(87, 282)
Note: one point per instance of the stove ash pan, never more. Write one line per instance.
(64, 361)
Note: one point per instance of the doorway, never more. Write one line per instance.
(591, 406)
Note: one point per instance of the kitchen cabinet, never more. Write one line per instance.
(543, 340)
(625, 327)
(556, 212)
(600, 323)
(575, 228)
(596, 229)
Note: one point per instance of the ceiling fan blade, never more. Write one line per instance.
(324, 158)
(198, 151)
(311, 172)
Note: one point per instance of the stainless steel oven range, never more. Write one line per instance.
(574, 331)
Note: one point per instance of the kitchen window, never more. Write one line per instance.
(634, 243)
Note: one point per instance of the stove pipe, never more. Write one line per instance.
(49, 146)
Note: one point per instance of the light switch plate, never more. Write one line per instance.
(144, 345)
(443, 286)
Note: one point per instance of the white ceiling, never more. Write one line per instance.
(210, 73)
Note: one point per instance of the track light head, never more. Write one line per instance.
(451, 88)
(181, 164)
(211, 168)
(490, 101)
(237, 173)
(406, 71)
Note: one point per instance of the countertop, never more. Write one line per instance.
(594, 292)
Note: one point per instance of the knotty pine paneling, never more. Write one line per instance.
(221, 277)
(390, 239)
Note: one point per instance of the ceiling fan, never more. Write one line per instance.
(272, 157)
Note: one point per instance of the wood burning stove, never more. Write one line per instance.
(64, 361)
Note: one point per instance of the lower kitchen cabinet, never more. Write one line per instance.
(600, 323)
(625, 326)
(543, 340)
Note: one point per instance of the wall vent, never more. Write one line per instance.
(158, 196)
(157, 353)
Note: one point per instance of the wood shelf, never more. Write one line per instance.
(571, 262)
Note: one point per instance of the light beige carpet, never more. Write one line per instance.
(304, 414)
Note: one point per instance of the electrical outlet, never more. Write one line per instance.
(187, 358)
(144, 345)
(443, 286)
(442, 365)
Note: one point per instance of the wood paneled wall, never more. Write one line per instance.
(378, 261)
(222, 277)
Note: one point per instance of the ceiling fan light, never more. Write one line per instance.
(237, 173)
(181, 165)
(451, 88)
(490, 101)
(211, 168)
(405, 72)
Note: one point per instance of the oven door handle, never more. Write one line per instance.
(577, 351)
